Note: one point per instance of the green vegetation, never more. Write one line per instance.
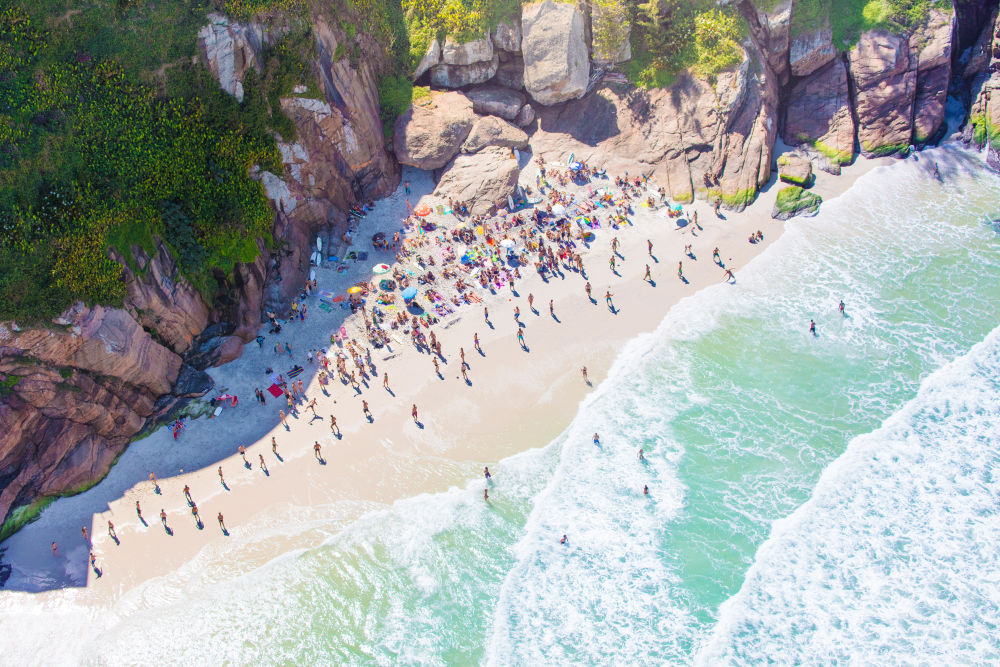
(849, 18)
(8, 383)
(669, 36)
(462, 20)
(395, 95)
(886, 149)
(983, 130)
(22, 516)
(109, 135)
(835, 156)
(609, 26)
(794, 200)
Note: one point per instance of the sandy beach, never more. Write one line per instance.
(516, 399)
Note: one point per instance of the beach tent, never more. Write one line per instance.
(381, 268)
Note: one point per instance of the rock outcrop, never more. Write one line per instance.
(772, 31)
(884, 85)
(793, 201)
(494, 131)
(812, 50)
(931, 48)
(982, 73)
(465, 63)
(795, 170)
(429, 134)
(230, 48)
(556, 58)
(481, 179)
(431, 58)
(507, 36)
(496, 101)
(818, 113)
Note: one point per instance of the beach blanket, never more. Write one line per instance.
(295, 372)
(274, 390)
(325, 307)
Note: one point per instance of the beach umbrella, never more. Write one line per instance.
(422, 210)
(353, 290)
(378, 237)
(381, 268)
(386, 284)
(507, 243)
(575, 166)
(480, 230)
(409, 293)
(559, 209)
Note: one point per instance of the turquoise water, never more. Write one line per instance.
(873, 455)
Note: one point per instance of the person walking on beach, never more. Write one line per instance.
(585, 378)
(222, 523)
(274, 445)
(461, 353)
(312, 406)
(385, 382)
(284, 422)
(649, 247)
(243, 453)
(163, 517)
(156, 486)
(607, 298)
(414, 412)
(221, 478)
(465, 375)
(520, 338)
(531, 301)
(486, 313)
(647, 277)
(680, 270)
(587, 287)
(111, 531)
(552, 308)
(318, 451)
(517, 313)
(187, 494)
(263, 466)
(475, 342)
(333, 426)
(437, 368)
(138, 510)
(614, 245)
(715, 256)
(729, 277)
(365, 410)
(194, 513)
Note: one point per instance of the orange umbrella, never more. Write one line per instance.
(422, 210)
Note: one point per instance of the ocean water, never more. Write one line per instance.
(811, 499)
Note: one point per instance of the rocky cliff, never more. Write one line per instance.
(72, 394)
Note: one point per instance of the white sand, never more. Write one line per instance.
(517, 400)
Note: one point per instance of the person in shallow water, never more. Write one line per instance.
(812, 327)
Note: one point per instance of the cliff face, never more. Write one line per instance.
(77, 391)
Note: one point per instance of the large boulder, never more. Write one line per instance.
(556, 59)
(931, 49)
(818, 114)
(525, 116)
(884, 85)
(811, 50)
(496, 101)
(793, 201)
(507, 36)
(493, 131)
(429, 134)
(431, 58)
(465, 63)
(795, 170)
(983, 74)
(510, 73)
(480, 179)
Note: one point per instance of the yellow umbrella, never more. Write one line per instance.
(353, 290)
(480, 230)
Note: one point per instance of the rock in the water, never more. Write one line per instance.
(796, 170)
(496, 101)
(811, 50)
(480, 179)
(494, 131)
(525, 116)
(507, 36)
(430, 133)
(884, 86)
(556, 61)
(818, 114)
(793, 201)
(430, 59)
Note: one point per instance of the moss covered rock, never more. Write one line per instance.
(793, 201)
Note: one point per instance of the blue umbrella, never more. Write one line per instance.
(576, 166)
(409, 293)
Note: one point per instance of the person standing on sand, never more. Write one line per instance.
(611, 262)
(728, 275)
(317, 451)
(312, 406)
(281, 414)
(437, 369)
(647, 276)
(156, 486)
(243, 452)
(365, 410)
(465, 375)
(333, 426)
(517, 313)
(552, 308)
(486, 314)
(385, 382)
(520, 338)
(222, 523)
(187, 494)
(531, 301)
(585, 378)
(414, 412)
(461, 353)
(475, 342)
(288, 349)
(649, 247)
(163, 517)
(138, 508)
(607, 298)
(680, 270)
(221, 478)
(587, 288)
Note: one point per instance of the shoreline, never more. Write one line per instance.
(376, 464)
